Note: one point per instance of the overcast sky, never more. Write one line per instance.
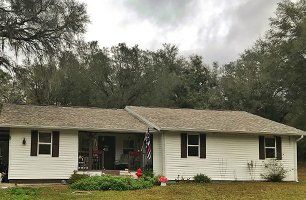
(218, 30)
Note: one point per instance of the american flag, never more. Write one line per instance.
(148, 145)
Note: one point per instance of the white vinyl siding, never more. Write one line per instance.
(226, 158)
(24, 166)
(157, 154)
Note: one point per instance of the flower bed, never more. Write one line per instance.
(112, 183)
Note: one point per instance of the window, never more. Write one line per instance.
(128, 146)
(193, 145)
(270, 147)
(44, 143)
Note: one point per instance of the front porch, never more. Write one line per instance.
(111, 153)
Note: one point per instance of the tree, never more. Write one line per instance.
(269, 79)
(38, 26)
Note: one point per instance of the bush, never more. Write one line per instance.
(201, 178)
(148, 173)
(275, 171)
(76, 177)
(111, 183)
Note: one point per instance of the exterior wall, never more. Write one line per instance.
(24, 166)
(226, 158)
(157, 154)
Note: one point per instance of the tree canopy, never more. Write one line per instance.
(38, 26)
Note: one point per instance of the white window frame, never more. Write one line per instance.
(49, 143)
(271, 148)
(193, 145)
(125, 148)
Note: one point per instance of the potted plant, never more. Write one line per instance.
(163, 180)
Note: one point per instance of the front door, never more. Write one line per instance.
(108, 145)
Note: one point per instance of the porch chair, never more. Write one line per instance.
(123, 162)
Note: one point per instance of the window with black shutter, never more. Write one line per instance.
(270, 147)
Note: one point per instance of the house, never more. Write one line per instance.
(49, 143)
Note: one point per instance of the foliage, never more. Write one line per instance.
(35, 26)
(275, 171)
(148, 173)
(111, 183)
(201, 178)
(76, 177)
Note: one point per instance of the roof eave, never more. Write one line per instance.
(74, 128)
(233, 132)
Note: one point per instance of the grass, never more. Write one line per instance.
(232, 190)
(225, 190)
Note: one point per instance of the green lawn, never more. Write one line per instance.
(226, 190)
(234, 190)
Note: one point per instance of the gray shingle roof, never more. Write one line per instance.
(69, 118)
(210, 121)
(137, 119)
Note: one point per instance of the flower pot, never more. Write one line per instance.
(163, 184)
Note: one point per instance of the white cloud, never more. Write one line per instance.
(216, 29)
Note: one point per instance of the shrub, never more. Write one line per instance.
(148, 173)
(275, 171)
(111, 183)
(201, 178)
(76, 177)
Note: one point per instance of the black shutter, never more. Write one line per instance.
(262, 155)
(278, 148)
(183, 145)
(55, 143)
(34, 141)
(202, 145)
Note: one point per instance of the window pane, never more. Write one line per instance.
(128, 144)
(44, 149)
(270, 153)
(193, 139)
(193, 151)
(270, 142)
(45, 137)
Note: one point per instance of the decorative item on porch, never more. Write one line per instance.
(148, 144)
(163, 180)
(139, 173)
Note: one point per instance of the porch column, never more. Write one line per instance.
(90, 135)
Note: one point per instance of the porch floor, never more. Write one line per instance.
(108, 172)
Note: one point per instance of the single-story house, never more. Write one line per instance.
(49, 143)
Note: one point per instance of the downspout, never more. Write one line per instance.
(295, 157)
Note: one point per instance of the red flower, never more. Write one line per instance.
(163, 179)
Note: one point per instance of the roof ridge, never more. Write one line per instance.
(57, 106)
(196, 109)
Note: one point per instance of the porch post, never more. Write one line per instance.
(90, 150)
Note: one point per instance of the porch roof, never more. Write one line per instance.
(80, 118)
(170, 119)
